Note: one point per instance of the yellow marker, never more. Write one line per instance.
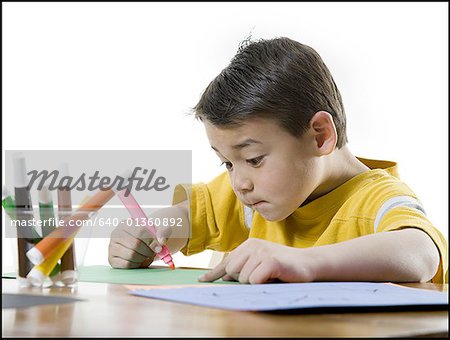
(44, 248)
(41, 272)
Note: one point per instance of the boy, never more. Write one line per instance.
(296, 205)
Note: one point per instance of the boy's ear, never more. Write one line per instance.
(324, 132)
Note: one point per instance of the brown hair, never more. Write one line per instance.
(280, 79)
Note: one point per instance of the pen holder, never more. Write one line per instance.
(56, 277)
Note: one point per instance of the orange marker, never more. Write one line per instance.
(40, 272)
(47, 245)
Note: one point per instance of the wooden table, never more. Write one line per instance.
(109, 311)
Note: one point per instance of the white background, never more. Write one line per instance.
(119, 76)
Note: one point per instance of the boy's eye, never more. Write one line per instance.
(228, 165)
(255, 161)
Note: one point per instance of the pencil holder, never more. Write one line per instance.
(56, 278)
(70, 277)
(61, 267)
(46, 251)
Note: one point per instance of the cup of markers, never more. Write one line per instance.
(50, 272)
(46, 252)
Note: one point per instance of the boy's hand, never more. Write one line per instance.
(134, 247)
(260, 261)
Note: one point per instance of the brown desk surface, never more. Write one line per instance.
(110, 311)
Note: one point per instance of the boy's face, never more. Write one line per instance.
(270, 170)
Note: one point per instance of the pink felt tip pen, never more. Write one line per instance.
(136, 212)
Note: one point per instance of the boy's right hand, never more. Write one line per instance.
(134, 246)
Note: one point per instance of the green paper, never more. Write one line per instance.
(143, 276)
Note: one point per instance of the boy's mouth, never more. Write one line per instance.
(253, 203)
(257, 204)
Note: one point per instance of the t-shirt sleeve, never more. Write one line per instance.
(216, 216)
(406, 217)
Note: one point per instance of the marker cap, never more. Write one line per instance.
(35, 256)
(23, 282)
(56, 280)
(45, 196)
(20, 170)
(69, 277)
(36, 277)
(5, 192)
(48, 282)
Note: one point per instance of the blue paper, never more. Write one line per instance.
(285, 296)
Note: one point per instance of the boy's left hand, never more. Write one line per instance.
(260, 261)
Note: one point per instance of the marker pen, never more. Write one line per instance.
(72, 225)
(46, 211)
(24, 213)
(10, 207)
(48, 222)
(39, 273)
(136, 212)
(68, 261)
(8, 203)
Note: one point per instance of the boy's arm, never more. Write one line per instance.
(407, 255)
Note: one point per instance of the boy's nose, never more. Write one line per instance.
(242, 183)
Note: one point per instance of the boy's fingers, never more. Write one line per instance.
(261, 274)
(117, 262)
(148, 261)
(128, 241)
(155, 246)
(133, 228)
(163, 234)
(162, 240)
(215, 273)
(228, 278)
(129, 254)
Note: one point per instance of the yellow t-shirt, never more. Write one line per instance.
(374, 201)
